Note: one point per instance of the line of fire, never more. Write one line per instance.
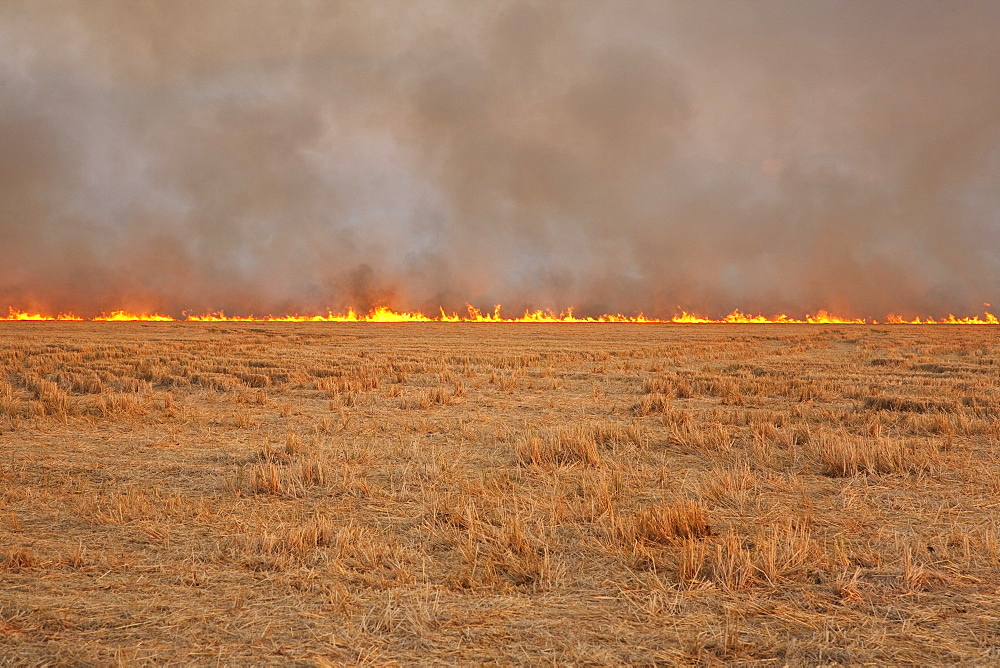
(386, 315)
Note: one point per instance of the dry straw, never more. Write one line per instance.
(326, 494)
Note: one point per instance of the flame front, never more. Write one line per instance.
(123, 316)
(14, 314)
(986, 319)
(383, 314)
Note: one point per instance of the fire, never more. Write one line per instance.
(737, 317)
(122, 316)
(24, 315)
(986, 319)
(379, 314)
(689, 318)
(474, 315)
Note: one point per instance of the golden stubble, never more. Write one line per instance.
(337, 493)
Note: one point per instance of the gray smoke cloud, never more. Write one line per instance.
(609, 156)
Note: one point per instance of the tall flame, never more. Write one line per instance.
(384, 314)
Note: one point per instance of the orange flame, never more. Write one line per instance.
(122, 316)
(737, 317)
(986, 319)
(379, 314)
(387, 315)
(24, 315)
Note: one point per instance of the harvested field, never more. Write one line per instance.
(320, 493)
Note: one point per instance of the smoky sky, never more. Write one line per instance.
(618, 156)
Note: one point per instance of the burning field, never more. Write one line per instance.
(257, 405)
(318, 493)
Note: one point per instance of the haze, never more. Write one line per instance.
(276, 157)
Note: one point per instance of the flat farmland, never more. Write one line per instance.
(464, 493)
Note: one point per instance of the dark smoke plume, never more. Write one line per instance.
(274, 157)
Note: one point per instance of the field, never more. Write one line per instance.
(328, 494)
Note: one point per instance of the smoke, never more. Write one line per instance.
(274, 157)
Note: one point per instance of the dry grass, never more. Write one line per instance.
(663, 523)
(338, 494)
